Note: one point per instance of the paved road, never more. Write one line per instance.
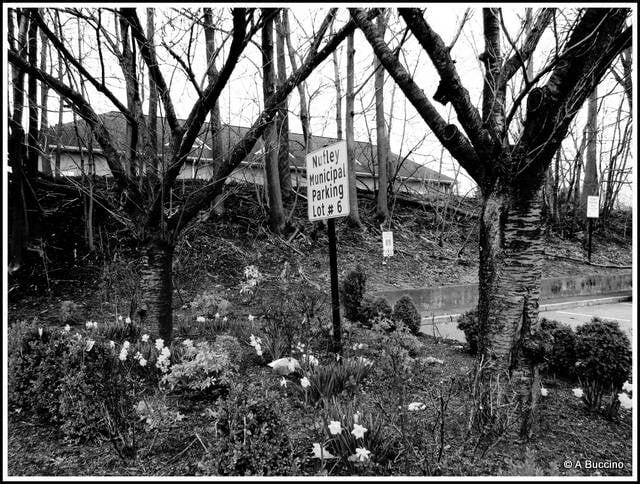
(573, 316)
(621, 312)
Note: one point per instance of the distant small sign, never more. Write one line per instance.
(593, 206)
(328, 182)
(387, 244)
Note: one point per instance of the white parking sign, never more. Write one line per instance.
(328, 182)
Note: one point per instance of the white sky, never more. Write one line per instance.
(241, 102)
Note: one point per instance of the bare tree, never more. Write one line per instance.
(144, 208)
(282, 118)
(590, 183)
(509, 174)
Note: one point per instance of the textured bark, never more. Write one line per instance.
(354, 215)
(153, 167)
(282, 118)
(511, 252)
(44, 114)
(272, 179)
(31, 165)
(217, 149)
(338, 85)
(156, 290)
(382, 143)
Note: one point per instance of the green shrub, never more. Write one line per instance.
(208, 304)
(204, 365)
(406, 312)
(352, 291)
(373, 308)
(469, 324)
(604, 359)
(561, 358)
(35, 369)
(249, 438)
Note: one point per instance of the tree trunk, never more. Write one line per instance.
(304, 114)
(44, 114)
(156, 288)
(282, 118)
(337, 84)
(272, 182)
(153, 100)
(511, 252)
(382, 208)
(31, 165)
(217, 148)
(354, 215)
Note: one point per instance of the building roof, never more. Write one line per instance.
(365, 152)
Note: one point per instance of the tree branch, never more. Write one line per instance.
(520, 57)
(448, 134)
(148, 54)
(84, 109)
(450, 88)
(240, 151)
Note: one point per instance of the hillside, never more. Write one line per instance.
(214, 252)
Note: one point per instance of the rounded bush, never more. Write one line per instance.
(373, 308)
(352, 291)
(561, 357)
(603, 353)
(406, 312)
(470, 324)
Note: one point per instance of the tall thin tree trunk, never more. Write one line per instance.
(31, 165)
(56, 171)
(282, 117)
(382, 207)
(276, 209)
(44, 113)
(217, 149)
(354, 215)
(153, 166)
(304, 113)
(338, 86)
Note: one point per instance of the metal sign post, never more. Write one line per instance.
(593, 211)
(328, 199)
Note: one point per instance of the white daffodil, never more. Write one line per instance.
(67, 328)
(127, 320)
(578, 392)
(145, 338)
(112, 344)
(362, 454)
(159, 344)
(40, 332)
(251, 318)
(414, 406)
(89, 344)
(304, 382)
(334, 427)
(358, 431)
(627, 387)
(126, 345)
(200, 319)
(625, 400)
(283, 382)
(217, 315)
(544, 392)
(225, 319)
(142, 362)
